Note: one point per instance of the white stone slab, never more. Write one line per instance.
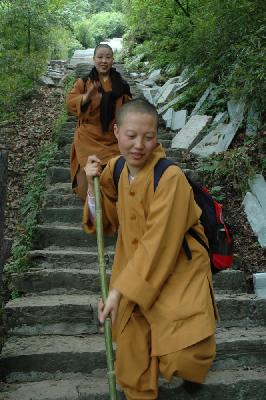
(155, 75)
(149, 94)
(167, 117)
(201, 101)
(165, 107)
(258, 188)
(134, 74)
(255, 217)
(253, 120)
(236, 110)
(169, 91)
(148, 82)
(220, 118)
(188, 134)
(178, 119)
(259, 281)
(217, 141)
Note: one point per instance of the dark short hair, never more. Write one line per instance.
(104, 45)
(139, 106)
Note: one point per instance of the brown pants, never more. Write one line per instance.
(137, 371)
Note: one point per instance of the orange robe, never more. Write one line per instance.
(151, 269)
(89, 138)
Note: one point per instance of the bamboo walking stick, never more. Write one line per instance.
(104, 290)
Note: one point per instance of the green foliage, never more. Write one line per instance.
(62, 44)
(35, 185)
(236, 166)
(84, 33)
(222, 41)
(18, 77)
(106, 25)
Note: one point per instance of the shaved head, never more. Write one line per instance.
(137, 106)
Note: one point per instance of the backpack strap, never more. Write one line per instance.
(119, 165)
(159, 169)
(196, 236)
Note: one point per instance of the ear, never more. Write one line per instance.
(116, 130)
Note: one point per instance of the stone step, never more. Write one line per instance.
(48, 280)
(220, 385)
(65, 314)
(60, 214)
(70, 258)
(77, 313)
(40, 357)
(58, 281)
(73, 258)
(60, 200)
(60, 188)
(65, 235)
(56, 174)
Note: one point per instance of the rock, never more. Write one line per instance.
(153, 77)
(236, 110)
(134, 74)
(167, 117)
(259, 281)
(255, 217)
(189, 133)
(202, 100)
(220, 118)
(162, 109)
(258, 188)
(46, 81)
(150, 93)
(178, 119)
(253, 120)
(217, 141)
(83, 69)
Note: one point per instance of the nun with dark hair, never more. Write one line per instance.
(95, 100)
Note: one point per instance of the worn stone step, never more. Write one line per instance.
(60, 214)
(35, 357)
(56, 174)
(60, 200)
(65, 314)
(73, 258)
(65, 235)
(69, 258)
(58, 281)
(223, 385)
(68, 313)
(39, 356)
(60, 188)
(66, 136)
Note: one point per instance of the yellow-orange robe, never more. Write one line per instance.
(150, 267)
(89, 138)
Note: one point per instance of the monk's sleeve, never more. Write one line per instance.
(109, 199)
(172, 212)
(74, 99)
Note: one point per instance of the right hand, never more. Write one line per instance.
(92, 168)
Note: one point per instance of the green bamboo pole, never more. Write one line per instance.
(104, 289)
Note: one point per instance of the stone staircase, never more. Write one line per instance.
(55, 348)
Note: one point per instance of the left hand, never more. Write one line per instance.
(110, 307)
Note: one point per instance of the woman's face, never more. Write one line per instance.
(103, 60)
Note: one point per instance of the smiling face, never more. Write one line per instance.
(103, 60)
(137, 138)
